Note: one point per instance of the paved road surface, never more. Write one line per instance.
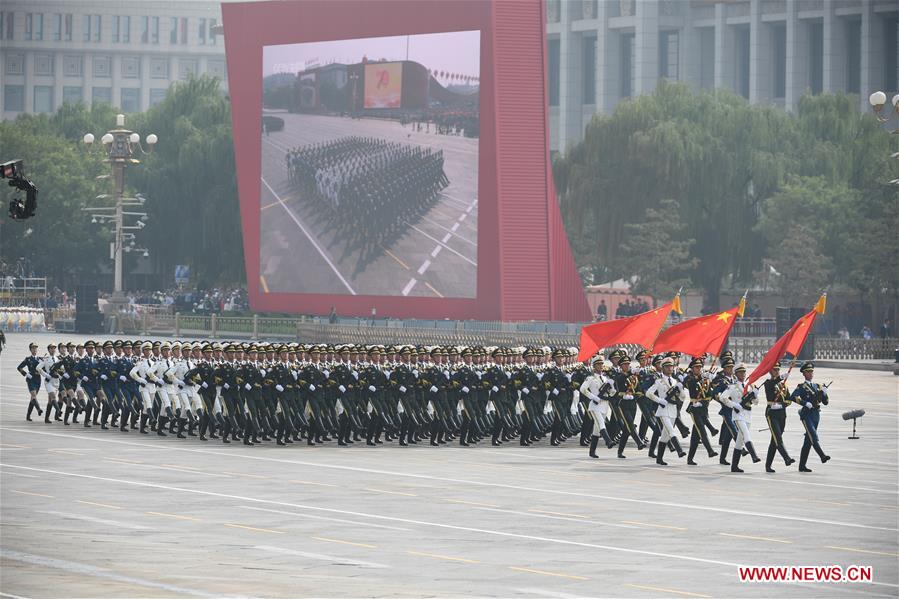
(91, 513)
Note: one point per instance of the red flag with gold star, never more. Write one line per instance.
(641, 329)
(697, 336)
(790, 343)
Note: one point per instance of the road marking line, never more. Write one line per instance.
(277, 532)
(409, 286)
(35, 494)
(113, 507)
(558, 513)
(15, 446)
(179, 517)
(827, 502)
(267, 206)
(446, 238)
(247, 475)
(446, 557)
(7, 472)
(855, 550)
(436, 224)
(652, 525)
(454, 228)
(472, 503)
(664, 590)
(264, 284)
(321, 556)
(366, 545)
(436, 251)
(342, 520)
(443, 243)
(66, 451)
(727, 534)
(121, 460)
(185, 470)
(11, 596)
(105, 522)
(392, 255)
(429, 286)
(463, 217)
(428, 477)
(308, 482)
(545, 573)
(389, 492)
(424, 266)
(309, 237)
(469, 209)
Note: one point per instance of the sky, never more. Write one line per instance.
(456, 52)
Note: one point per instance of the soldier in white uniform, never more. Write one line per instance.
(667, 391)
(597, 387)
(51, 381)
(143, 373)
(741, 403)
(165, 390)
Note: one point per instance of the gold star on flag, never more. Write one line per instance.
(724, 316)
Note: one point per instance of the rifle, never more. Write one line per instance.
(673, 396)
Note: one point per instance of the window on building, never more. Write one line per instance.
(43, 65)
(43, 98)
(87, 28)
(554, 66)
(116, 24)
(130, 99)
(186, 68)
(626, 65)
(156, 96)
(154, 30)
(67, 27)
(779, 56)
(102, 66)
(183, 30)
(853, 56)
(816, 57)
(707, 58)
(212, 35)
(173, 32)
(72, 94)
(159, 68)
(144, 30)
(201, 31)
(668, 55)
(72, 65)
(131, 67)
(29, 25)
(96, 23)
(891, 54)
(14, 98)
(126, 30)
(57, 27)
(2, 24)
(6, 25)
(101, 95)
(38, 26)
(15, 64)
(741, 38)
(589, 66)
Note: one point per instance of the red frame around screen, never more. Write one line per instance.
(525, 270)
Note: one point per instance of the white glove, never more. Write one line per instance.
(65, 375)
(465, 389)
(555, 391)
(628, 396)
(104, 377)
(312, 387)
(226, 386)
(122, 378)
(415, 372)
(205, 385)
(663, 403)
(433, 389)
(262, 371)
(495, 389)
(402, 389)
(84, 378)
(327, 373)
(372, 388)
(526, 391)
(539, 376)
(808, 405)
(342, 389)
(248, 386)
(279, 388)
(27, 375)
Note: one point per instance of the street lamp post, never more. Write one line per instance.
(878, 100)
(121, 146)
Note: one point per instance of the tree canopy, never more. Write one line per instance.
(740, 173)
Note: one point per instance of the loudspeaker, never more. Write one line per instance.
(89, 322)
(86, 298)
(787, 317)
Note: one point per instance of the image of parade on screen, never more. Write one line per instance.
(370, 166)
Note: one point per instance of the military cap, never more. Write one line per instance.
(32, 344)
(775, 365)
(165, 345)
(373, 350)
(657, 359)
(667, 362)
(79, 345)
(107, 343)
(466, 351)
(157, 344)
(596, 358)
(740, 367)
(641, 354)
(176, 345)
(405, 351)
(207, 348)
(216, 345)
(70, 345)
(49, 345)
(625, 359)
(89, 343)
(807, 366)
(696, 362)
(146, 346)
(116, 343)
(559, 353)
(725, 362)
(727, 354)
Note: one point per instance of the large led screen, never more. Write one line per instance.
(369, 166)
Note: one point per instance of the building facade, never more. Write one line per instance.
(603, 52)
(123, 52)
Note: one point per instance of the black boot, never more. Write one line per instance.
(143, 424)
(606, 439)
(48, 410)
(735, 461)
(181, 423)
(803, 458)
(124, 426)
(594, 441)
(694, 445)
(660, 454)
(676, 443)
(160, 426)
(65, 419)
(755, 457)
(722, 457)
(820, 452)
(769, 459)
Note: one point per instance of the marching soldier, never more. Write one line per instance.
(778, 398)
(740, 398)
(626, 384)
(667, 392)
(597, 388)
(698, 388)
(810, 396)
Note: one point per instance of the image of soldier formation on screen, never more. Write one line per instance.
(370, 166)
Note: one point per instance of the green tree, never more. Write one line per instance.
(803, 270)
(656, 252)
